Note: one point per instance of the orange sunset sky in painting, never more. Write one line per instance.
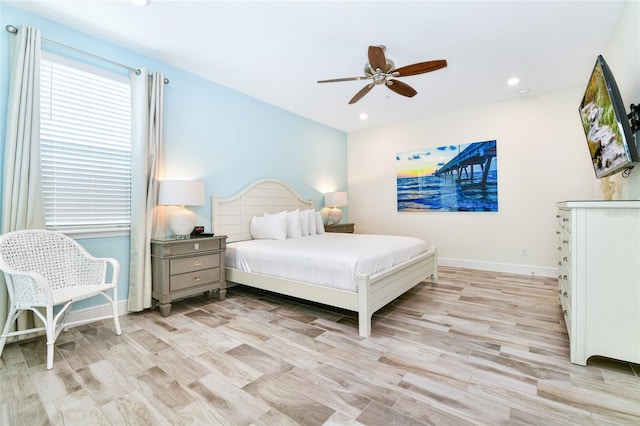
(423, 162)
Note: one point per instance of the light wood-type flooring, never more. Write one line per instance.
(475, 348)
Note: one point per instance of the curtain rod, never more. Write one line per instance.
(14, 30)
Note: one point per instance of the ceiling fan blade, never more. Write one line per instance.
(419, 68)
(377, 59)
(361, 93)
(401, 88)
(334, 80)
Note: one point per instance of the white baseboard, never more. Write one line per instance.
(105, 309)
(500, 267)
(96, 311)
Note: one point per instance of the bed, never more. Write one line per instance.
(232, 217)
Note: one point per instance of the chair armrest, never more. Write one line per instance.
(115, 269)
(27, 295)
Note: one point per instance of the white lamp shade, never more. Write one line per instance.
(335, 199)
(181, 193)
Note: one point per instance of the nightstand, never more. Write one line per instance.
(345, 228)
(183, 268)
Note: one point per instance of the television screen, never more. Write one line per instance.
(606, 126)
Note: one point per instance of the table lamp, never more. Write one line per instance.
(333, 200)
(181, 193)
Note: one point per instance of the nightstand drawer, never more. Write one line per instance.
(192, 279)
(192, 246)
(345, 228)
(190, 264)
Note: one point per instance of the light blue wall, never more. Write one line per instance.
(212, 133)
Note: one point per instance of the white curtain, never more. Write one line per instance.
(22, 199)
(147, 163)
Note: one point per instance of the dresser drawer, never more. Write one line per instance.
(564, 286)
(566, 312)
(190, 264)
(564, 261)
(192, 279)
(564, 265)
(564, 219)
(565, 253)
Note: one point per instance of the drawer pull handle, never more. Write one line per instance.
(565, 242)
(564, 219)
(196, 279)
(565, 258)
(197, 263)
(564, 294)
(564, 277)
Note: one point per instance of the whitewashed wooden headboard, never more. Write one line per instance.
(231, 216)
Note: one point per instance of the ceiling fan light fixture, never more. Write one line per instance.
(370, 72)
(374, 71)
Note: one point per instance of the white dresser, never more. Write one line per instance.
(599, 278)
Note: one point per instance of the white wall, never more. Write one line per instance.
(224, 138)
(542, 159)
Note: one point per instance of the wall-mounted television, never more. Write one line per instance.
(611, 142)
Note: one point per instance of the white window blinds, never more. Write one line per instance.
(86, 148)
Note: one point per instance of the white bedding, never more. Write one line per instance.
(331, 259)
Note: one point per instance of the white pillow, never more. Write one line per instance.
(304, 222)
(293, 224)
(269, 227)
(319, 223)
(312, 222)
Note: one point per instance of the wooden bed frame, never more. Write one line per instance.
(231, 216)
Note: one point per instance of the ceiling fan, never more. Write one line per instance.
(382, 70)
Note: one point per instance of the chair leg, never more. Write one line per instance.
(11, 318)
(114, 305)
(51, 337)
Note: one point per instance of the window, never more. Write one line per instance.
(86, 147)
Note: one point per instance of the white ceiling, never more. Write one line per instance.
(277, 51)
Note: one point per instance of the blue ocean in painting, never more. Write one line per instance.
(447, 193)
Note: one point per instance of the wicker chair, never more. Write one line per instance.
(44, 269)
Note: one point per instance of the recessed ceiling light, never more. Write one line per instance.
(363, 116)
(513, 81)
(140, 2)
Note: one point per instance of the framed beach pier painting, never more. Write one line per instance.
(452, 178)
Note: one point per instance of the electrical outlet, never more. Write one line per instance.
(524, 252)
